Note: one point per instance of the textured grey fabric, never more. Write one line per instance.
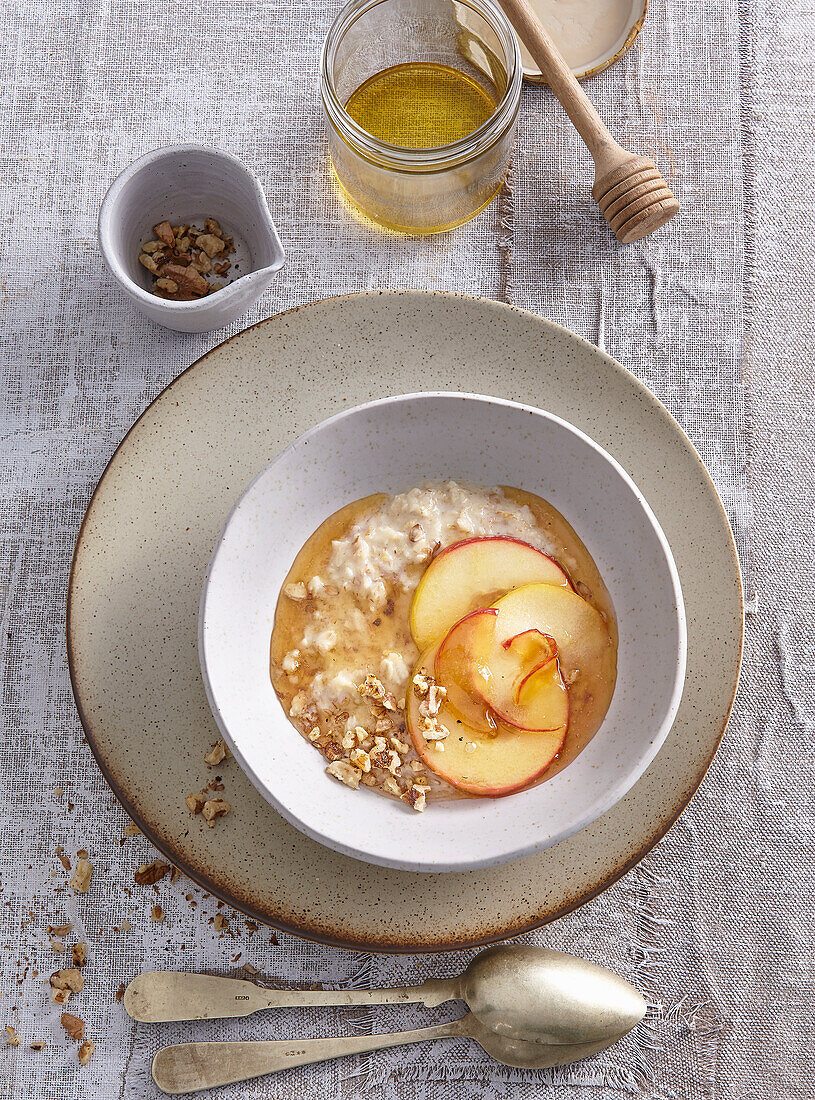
(715, 925)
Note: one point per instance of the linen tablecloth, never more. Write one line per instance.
(715, 924)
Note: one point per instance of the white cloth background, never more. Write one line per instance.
(714, 925)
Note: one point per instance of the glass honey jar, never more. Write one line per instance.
(421, 103)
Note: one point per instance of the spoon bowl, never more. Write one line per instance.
(523, 1055)
(535, 995)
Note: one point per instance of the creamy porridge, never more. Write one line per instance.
(384, 662)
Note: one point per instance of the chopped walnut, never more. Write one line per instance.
(188, 278)
(219, 751)
(85, 1052)
(149, 263)
(211, 225)
(195, 803)
(360, 759)
(214, 808)
(150, 873)
(201, 262)
(180, 257)
(73, 1025)
(416, 797)
(333, 751)
(65, 982)
(434, 730)
(346, 773)
(390, 785)
(164, 232)
(400, 746)
(372, 688)
(220, 922)
(383, 725)
(211, 244)
(57, 947)
(81, 878)
(59, 929)
(421, 684)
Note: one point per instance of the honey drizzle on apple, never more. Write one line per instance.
(391, 631)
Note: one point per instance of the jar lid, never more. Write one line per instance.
(592, 35)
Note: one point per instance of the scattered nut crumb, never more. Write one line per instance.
(57, 947)
(150, 873)
(73, 1025)
(416, 532)
(218, 752)
(79, 953)
(120, 992)
(60, 853)
(65, 982)
(157, 913)
(37, 1045)
(85, 1052)
(59, 929)
(132, 830)
(81, 878)
(214, 808)
(195, 803)
(12, 1038)
(125, 926)
(220, 922)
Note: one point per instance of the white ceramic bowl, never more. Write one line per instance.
(389, 446)
(187, 183)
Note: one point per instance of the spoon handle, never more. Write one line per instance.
(189, 1067)
(167, 996)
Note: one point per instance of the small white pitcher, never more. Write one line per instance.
(185, 184)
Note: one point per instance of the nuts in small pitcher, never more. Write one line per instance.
(181, 257)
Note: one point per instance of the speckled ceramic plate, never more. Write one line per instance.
(143, 551)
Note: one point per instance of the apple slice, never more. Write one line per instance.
(472, 574)
(490, 764)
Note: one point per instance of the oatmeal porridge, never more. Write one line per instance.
(450, 641)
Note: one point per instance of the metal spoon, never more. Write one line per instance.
(522, 992)
(188, 1067)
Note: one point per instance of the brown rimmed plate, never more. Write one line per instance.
(155, 516)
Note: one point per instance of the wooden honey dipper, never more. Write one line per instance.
(633, 196)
